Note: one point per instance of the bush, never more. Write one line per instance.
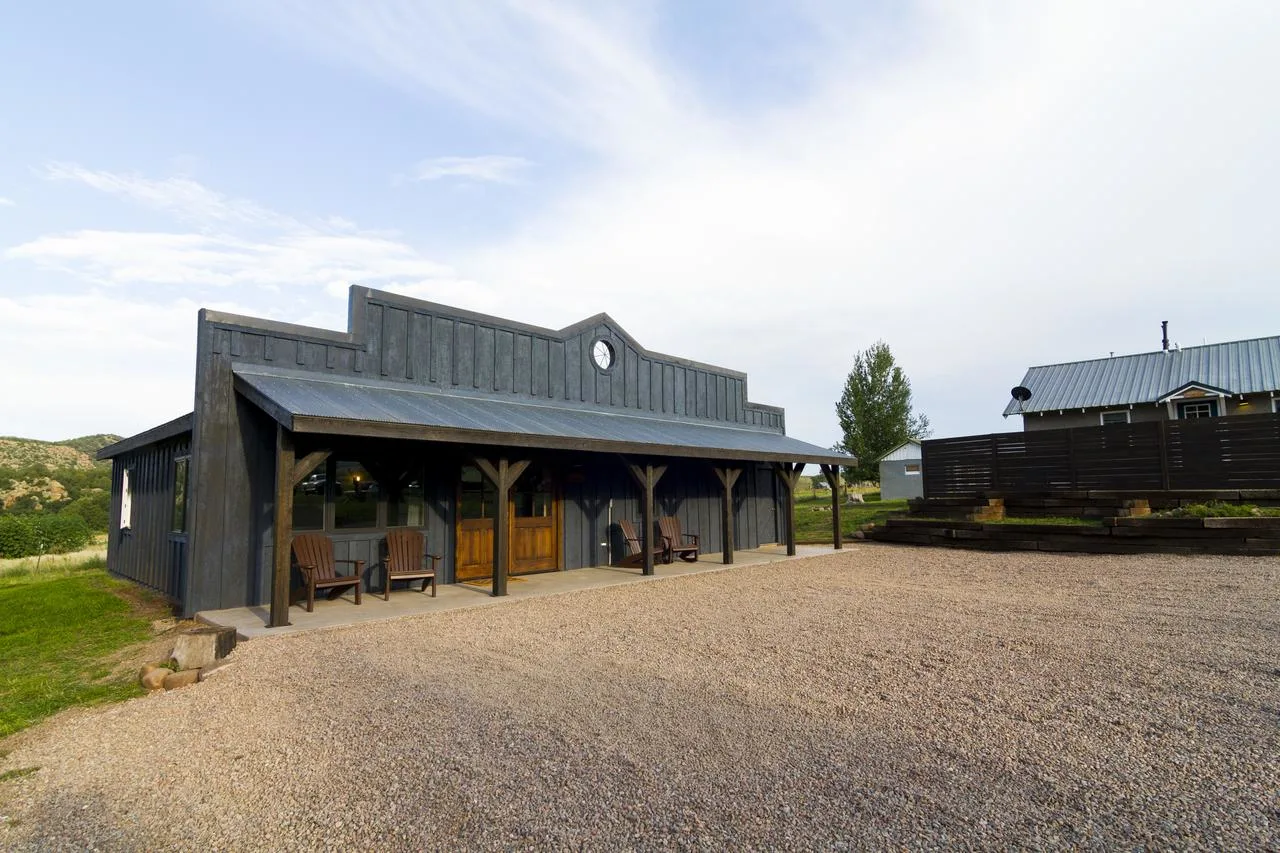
(18, 537)
(93, 507)
(29, 535)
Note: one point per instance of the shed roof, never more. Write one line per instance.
(307, 403)
(169, 429)
(909, 449)
(1236, 367)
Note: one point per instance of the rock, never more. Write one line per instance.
(182, 678)
(202, 646)
(152, 677)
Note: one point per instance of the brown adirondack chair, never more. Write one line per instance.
(674, 540)
(314, 553)
(635, 550)
(407, 559)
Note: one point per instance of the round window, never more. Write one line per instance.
(602, 354)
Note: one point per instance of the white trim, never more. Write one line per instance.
(1102, 416)
(126, 501)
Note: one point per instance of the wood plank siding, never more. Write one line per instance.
(149, 552)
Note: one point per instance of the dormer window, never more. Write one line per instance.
(1198, 409)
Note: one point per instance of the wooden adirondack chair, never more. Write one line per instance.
(635, 550)
(674, 540)
(407, 559)
(314, 553)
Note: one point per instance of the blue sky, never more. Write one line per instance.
(985, 186)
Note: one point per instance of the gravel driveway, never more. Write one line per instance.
(883, 696)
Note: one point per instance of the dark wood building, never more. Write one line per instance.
(510, 446)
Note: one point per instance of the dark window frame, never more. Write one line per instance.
(179, 518)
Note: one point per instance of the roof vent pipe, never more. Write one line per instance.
(1164, 335)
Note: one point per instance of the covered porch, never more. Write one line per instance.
(483, 449)
(251, 622)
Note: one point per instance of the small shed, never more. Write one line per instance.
(901, 471)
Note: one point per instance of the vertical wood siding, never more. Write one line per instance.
(410, 344)
(148, 552)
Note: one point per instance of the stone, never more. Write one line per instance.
(181, 678)
(202, 646)
(211, 669)
(152, 677)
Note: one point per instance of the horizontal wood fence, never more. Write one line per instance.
(1209, 453)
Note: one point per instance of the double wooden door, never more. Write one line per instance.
(533, 514)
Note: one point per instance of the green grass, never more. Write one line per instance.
(813, 516)
(1217, 509)
(58, 635)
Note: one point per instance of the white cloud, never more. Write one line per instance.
(7, 202)
(181, 196)
(495, 168)
(1011, 184)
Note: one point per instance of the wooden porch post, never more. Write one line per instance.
(647, 477)
(283, 528)
(289, 473)
(789, 474)
(832, 475)
(727, 477)
(503, 475)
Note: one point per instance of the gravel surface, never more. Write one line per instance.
(880, 697)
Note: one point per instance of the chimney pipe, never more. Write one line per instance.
(1164, 333)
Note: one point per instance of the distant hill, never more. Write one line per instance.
(42, 476)
(77, 453)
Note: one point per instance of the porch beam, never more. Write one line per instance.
(646, 477)
(727, 477)
(309, 463)
(832, 475)
(503, 474)
(282, 530)
(789, 474)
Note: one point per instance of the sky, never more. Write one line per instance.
(767, 186)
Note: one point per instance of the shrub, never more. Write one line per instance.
(18, 537)
(29, 535)
(63, 533)
(93, 507)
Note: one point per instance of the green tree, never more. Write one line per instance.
(875, 411)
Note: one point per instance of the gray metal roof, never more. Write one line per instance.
(1237, 367)
(305, 402)
(169, 429)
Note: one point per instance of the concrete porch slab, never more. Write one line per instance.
(251, 622)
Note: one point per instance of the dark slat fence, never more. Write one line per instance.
(1211, 453)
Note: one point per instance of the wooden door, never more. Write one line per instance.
(476, 509)
(535, 523)
(534, 533)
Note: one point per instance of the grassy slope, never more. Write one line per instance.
(58, 636)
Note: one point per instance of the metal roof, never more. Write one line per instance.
(305, 402)
(1237, 367)
(909, 449)
(169, 429)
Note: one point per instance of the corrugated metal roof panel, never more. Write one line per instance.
(289, 395)
(907, 450)
(1240, 367)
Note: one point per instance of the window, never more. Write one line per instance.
(602, 354)
(479, 498)
(355, 496)
(531, 495)
(180, 466)
(1116, 417)
(1275, 405)
(126, 500)
(308, 501)
(1198, 409)
(405, 501)
(912, 469)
